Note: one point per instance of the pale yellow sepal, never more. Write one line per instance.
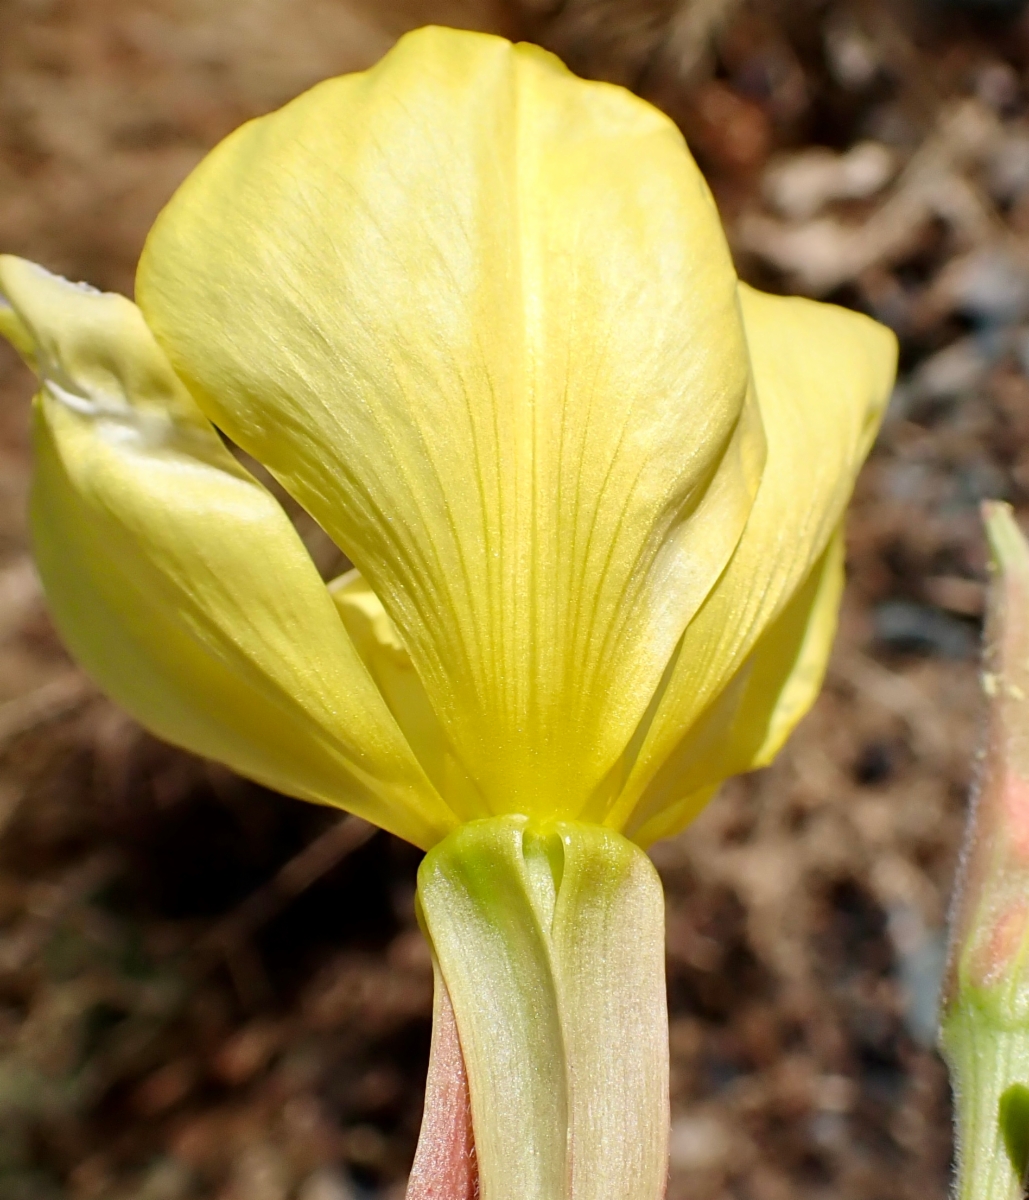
(178, 581)
(823, 376)
(480, 318)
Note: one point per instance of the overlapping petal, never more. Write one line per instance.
(177, 579)
(822, 376)
(376, 639)
(746, 725)
(480, 318)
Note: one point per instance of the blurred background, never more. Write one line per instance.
(208, 991)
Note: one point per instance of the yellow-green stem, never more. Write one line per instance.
(551, 945)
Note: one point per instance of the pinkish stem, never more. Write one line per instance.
(990, 925)
(444, 1163)
(985, 1020)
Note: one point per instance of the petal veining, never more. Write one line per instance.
(376, 639)
(746, 725)
(822, 376)
(480, 318)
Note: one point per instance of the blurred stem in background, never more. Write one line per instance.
(985, 1026)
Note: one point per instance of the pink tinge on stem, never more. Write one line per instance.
(1015, 799)
(998, 945)
(444, 1162)
(990, 922)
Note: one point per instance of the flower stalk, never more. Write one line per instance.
(550, 944)
(985, 1024)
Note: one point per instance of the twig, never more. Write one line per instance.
(296, 876)
(48, 702)
(51, 904)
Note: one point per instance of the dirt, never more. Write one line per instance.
(179, 1021)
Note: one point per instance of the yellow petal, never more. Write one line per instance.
(178, 581)
(480, 318)
(823, 376)
(12, 328)
(746, 726)
(376, 639)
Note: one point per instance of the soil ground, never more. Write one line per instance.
(187, 1008)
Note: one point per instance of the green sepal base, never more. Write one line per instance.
(551, 945)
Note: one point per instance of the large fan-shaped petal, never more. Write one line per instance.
(480, 318)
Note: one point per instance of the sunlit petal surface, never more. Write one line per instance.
(179, 582)
(822, 376)
(480, 318)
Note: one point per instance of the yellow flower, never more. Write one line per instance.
(479, 317)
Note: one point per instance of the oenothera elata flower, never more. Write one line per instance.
(478, 316)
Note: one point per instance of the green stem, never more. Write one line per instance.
(986, 1062)
(551, 946)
